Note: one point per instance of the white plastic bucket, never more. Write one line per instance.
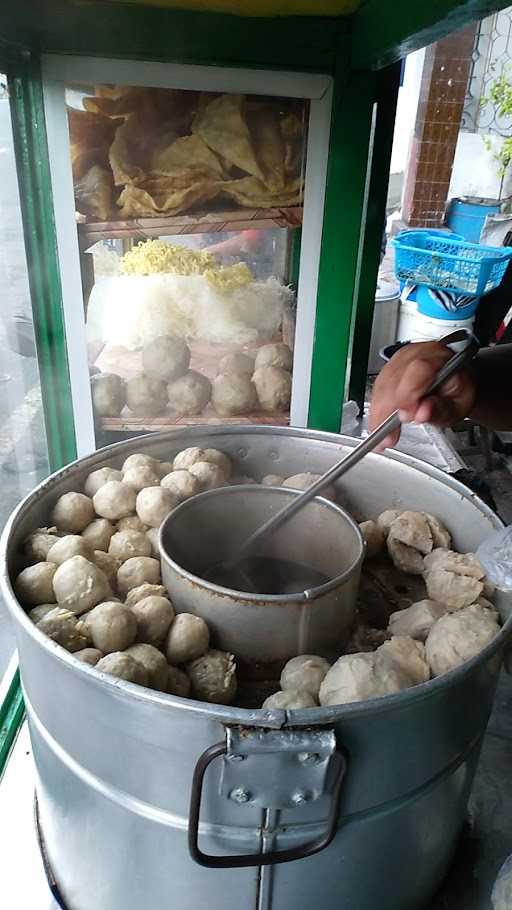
(413, 326)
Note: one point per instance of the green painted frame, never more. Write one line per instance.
(383, 33)
(29, 134)
(12, 712)
(337, 281)
(26, 101)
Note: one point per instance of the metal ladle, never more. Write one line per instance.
(387, 426)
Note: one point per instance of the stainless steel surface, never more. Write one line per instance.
(277, 770)
(267, 629)
(369, 444)
(115, 761)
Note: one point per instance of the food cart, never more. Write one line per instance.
(214, 171)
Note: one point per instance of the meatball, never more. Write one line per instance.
(108, 394)
(34, 585)
(152, 536)
(154, 615)
(273, 387)
(236, 363)
(108, 564)
(182, 484)
(153, 662)
(306, 480)
(37, 613)
(273, 480)
(68, 546)
(79, 585)
(73, 512)
(100, 477)
(137, 571)
(178, 683)
(291, 698)
(213, 677)
(154, 504)
(140, 460)
(234, 394)
(454, 590)
(37, 544)
(99, 533)
(111, 626)
(457, 637)
(356, 677)
(166, 358)
(146, 397)
(408, 655)
(141, 477)
(89, 656)
(210, 476)
(305, 672)
(188, 639)
(142, 591)
(115, 500)
(64, 628)
(374, 537)
(189, 394)
(386, 519)
(407, 559)
(124, 666)
(413, 530)
(131, 523)
(126, 544)
(274, 355)
(417, 620)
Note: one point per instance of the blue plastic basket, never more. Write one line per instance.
(447, 264)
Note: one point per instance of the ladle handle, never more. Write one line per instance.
(387, 426)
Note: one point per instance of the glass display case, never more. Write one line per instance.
(188, 218)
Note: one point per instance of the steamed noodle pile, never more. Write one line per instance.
(172, 290)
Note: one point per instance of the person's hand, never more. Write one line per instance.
(404, 380)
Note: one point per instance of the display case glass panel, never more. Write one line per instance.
(23, 452)
(188, 207)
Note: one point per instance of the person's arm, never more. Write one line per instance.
(483, 391)
(242, 242)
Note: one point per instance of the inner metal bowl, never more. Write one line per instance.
(264, 628)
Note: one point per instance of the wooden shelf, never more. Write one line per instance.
(130, 424)
(210, 222)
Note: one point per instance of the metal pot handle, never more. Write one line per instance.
(257, 859)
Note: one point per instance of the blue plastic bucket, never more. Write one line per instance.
(440, 305)
(467, 216)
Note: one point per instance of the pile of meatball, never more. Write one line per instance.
(434, 635)
(92, 584)
(243, 385)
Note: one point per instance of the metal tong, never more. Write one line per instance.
(341, 467)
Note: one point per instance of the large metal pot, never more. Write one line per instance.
(115, 762)
(263, 628)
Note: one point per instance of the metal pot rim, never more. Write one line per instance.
(276, 718)
(247, 596)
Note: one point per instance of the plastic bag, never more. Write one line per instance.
(349, 418)
(495, 557)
